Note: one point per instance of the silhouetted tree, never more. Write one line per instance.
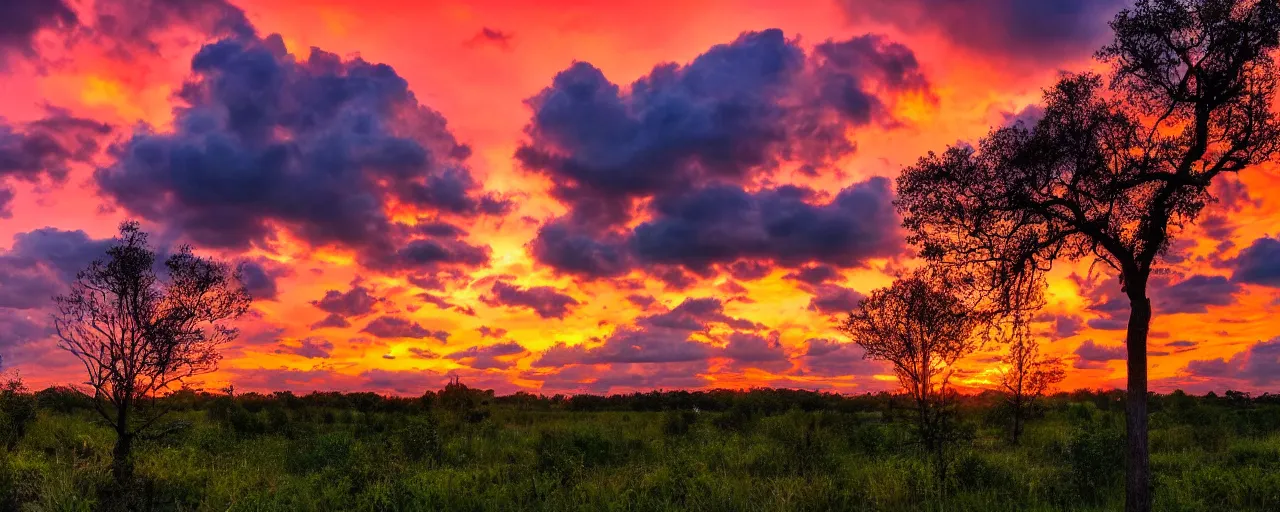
(1108, 171)
(138, 333)
(921, 327)
(1028, 374)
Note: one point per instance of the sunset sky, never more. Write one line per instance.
(565, 196)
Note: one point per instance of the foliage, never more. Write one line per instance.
(540, 453)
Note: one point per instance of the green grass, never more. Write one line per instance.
(320, 459)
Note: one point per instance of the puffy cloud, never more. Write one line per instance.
(487, 357)
(1030, 32)
(21, 20)
(690, 137)
(1090, 355)
(259, 277)
(44, 150)
(42, 263)
(1258, 365)
(390, 326)
(832, 299)
(731, 112)
(1259, 263)
(331, 320)
(317, 146)
(1194, 294)
(546, 301)
(725, 225)
(695, 314)
(310, 348)
(354, 302)
(491, 332)
(569, 246)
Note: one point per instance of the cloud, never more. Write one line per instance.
(21, 20)
(389, 326)
(352, 303)
(318, 146)
(657, 338)
(832, 299)
(814, 274)
(1064, 325)
(1090, 355)
(1194, 294)
(44, 150)
(1259, 263)
(630, 345)
(829, 358)
(491, 332)
(546, 301)
(1040, 32)
(43, 263)
(331, 320)
(259, 277)
(1258, 365)
(748, 350)
(310, 348)
(487, 357)
(130, 30)
(749, 270)
(491, 36)
(695, 314)
(700, 132)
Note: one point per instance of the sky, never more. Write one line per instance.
(565, 196)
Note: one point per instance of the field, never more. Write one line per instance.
(464, 449)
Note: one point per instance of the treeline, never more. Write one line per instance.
(765, 401)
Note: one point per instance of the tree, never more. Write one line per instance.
(138, 333)
(1111, 173)
(922, 328)
(1028, 375)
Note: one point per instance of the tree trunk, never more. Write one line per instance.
(1138, 459)
(121, 459)
(1017, 421)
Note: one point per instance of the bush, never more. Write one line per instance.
(17, 412)
(1095, 459)
(419, 440)
(314, 454)
(678, 423)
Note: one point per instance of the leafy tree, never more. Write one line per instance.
(1027, 376)
(922, 328)
(139, 333)
(1111, 173)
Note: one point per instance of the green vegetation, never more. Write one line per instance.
(465, 449)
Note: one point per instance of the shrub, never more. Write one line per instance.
(678, 423)
(17, 411)
(314, 454)
(419, 439)
(1095, 459)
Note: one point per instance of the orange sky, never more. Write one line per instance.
(480, 86)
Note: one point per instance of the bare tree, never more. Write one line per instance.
(922, 328)
(138, 333)
(1027, 375)
(1110, 173)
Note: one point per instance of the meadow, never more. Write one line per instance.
(466, 449)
